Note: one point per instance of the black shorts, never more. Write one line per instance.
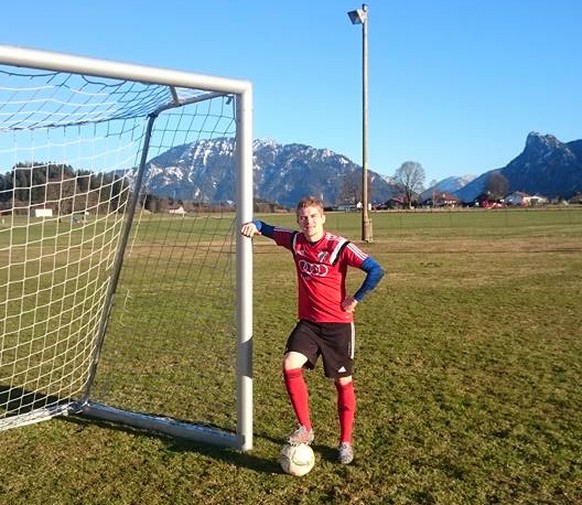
(333, 341)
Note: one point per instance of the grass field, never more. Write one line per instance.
(468, 376)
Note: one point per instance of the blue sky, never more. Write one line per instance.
(455, 85)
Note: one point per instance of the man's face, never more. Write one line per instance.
(310, 221)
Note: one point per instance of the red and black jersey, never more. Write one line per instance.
(321, 273)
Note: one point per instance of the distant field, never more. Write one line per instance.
(468, 375)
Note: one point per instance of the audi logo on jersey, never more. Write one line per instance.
(314, 269)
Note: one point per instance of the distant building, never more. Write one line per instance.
(397, 202)
(442, 199)
(178, 211)
(359, 206)
(521, 199)
(348, 207)
(42, 212)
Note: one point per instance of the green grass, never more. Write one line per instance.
(468, 376)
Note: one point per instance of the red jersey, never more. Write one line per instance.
(321, 273)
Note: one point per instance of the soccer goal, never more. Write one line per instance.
(126, 291)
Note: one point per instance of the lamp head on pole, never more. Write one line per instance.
(359, 16)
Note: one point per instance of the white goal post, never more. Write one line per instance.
(123, 297)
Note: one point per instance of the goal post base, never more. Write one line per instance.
(165, 425)
(37, 415)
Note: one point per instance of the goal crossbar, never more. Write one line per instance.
(60, 62)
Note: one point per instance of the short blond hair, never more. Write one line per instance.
(309, 201)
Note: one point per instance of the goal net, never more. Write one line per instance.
(126, 289)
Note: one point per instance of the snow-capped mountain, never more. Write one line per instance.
(204, 171)
(448, 185)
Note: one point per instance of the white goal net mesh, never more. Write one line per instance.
(117, 285)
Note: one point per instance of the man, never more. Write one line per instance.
(325, 310)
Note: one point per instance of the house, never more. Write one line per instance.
(177, 211)
(397, 202)
(442, 199)
(348, 207)
(537, 200)
(359, 206)
(521, 199)
(485, 201)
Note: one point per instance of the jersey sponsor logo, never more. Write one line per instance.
(314, 269)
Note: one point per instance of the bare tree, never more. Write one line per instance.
(497, 186)
(433, 186)
(350, 191)
(410, 176)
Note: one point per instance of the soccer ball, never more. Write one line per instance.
(297, 459)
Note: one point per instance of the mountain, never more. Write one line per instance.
(545, 167)
(448, 185)
(204, 171)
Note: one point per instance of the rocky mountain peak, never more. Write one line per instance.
(545, 167)
(538, 142)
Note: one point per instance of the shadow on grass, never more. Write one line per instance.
(248, 460)
(326, 452)
(19, 401)
(228, 455)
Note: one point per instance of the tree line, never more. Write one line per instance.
(66, 190)
(61, 188)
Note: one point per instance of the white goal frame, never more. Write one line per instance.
(208, 87)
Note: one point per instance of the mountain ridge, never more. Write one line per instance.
(282, 173)
(546, 167)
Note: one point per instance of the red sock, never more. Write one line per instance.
(346, 409)
(297, 391)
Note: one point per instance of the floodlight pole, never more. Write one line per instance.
(360, 16)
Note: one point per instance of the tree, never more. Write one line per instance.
(350, 191)
(410, 176)
(497, 186)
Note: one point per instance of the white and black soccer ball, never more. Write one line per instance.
(297, 459)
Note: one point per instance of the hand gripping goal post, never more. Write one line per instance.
(125, 295)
